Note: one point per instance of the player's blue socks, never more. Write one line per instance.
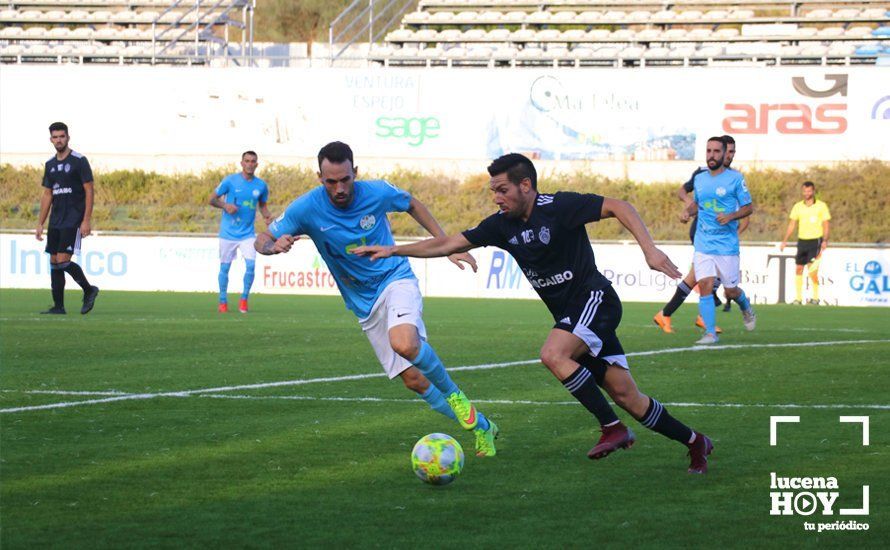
(431, 367)
(224, 282)
(436, 401)
(708, 313)
(743, 302)
(248, 278)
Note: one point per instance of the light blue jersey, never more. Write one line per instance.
(246, 195)
(337, 231)
(721, 194)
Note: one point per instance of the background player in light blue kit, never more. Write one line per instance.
(244, 193)
(344, 213)
(721, 199)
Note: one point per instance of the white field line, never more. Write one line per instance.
(487, 366)
(528, 402)
(68, 392)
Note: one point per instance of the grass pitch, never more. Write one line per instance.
(164, 427)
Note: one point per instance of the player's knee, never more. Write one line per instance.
(732, 292)
(406, 346)
(552, 357)
(224, 267)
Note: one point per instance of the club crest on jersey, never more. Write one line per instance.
(367, 222)
(544, 235)
(67, 168)
(721, 192)
(256, 193)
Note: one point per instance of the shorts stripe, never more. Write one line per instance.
(77, 242)
(594, 302)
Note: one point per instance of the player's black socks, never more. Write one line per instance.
(717, 300)
(659, 420)
(582, 386)
(680, 295)
(596, 366)
(57, 280)
(76, 273)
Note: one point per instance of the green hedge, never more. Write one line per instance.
(134, 200)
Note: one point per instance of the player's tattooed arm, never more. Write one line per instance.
(267, 245)
(217, 202)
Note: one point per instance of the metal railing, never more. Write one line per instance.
(199, 29)
(375, 19)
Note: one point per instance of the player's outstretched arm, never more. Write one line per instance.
(630, 219)
(430, 248)
(267, 245)
(425, 218)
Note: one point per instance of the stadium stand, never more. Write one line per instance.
(123, 31)
(638, 33)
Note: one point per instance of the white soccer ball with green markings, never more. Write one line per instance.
(437, 459)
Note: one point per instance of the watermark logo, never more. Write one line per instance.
(808, 496)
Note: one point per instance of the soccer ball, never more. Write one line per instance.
(437, 459)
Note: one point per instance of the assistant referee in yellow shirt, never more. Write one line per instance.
(812, 238)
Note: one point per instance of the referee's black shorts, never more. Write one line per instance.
(595, 320)
(807, 250)
(63, 240)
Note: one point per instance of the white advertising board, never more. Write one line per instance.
(777, 114)
(849, 276)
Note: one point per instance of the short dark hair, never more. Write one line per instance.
(336, 152)
(727, 139)
(808, 184)
(516, 166)
(718, 139)
(245, 153)
(56, 126)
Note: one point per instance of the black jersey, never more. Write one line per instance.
(66, 178)
(551, 248)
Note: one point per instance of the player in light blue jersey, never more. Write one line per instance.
(721, 199)
(344, 213)
(244, 193)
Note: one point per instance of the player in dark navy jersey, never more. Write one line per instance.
(545, 234)
(68, 189)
